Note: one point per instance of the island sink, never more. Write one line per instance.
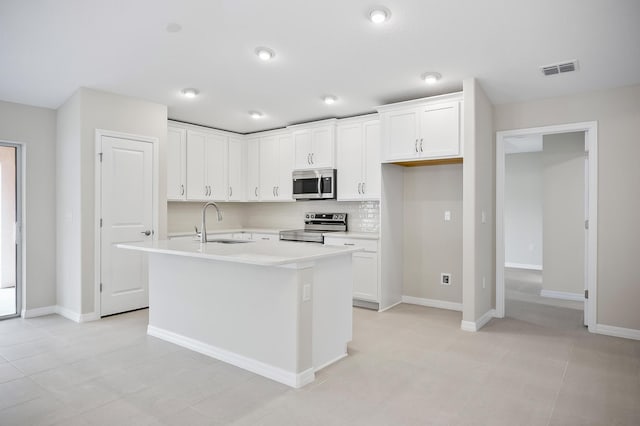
(227, 241)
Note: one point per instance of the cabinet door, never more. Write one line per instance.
(216, 166)
(365, 276)
(372, 185)
(302, 143)
(401, 135)
(253, 169)
(284, 187)
(322, 147)
(196, 186)
(269, 163)
(237, 167)
(350, 158)
(440, 130)
(176, 164)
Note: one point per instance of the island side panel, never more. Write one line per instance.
(332, 309)
(253, 312)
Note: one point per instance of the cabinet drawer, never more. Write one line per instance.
(368, 245)
(265, 237)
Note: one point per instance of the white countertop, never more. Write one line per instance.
(228, 231)
(265, 253)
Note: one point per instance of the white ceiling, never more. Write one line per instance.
(49, 48)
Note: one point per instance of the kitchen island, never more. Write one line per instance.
(279, 309)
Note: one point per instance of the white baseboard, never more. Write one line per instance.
(386, 308)
(295, 380)
(481, 322)
(74, 316)
(38, 312)
(432, 303)
(523, 266)
(610, 330)
(578, 297)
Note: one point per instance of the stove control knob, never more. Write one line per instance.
(306, 216)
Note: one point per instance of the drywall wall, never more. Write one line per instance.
(433, 245)
(105, 111)
(563, 212)
(7, 216)
(523, 210)
(68, 213)
(36, 129)
(617, 112)
(478, 206)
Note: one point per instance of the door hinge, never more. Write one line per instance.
(100, 222)
(586, 294)
(100, 155)
(100, 287)
(586, 224)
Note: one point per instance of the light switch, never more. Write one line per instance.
(306, 292)
(483, 217)
(447, 215)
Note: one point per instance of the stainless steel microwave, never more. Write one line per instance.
(315, 184)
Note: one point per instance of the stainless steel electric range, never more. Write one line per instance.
(315, 225)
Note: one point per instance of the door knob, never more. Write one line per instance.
(147, 232)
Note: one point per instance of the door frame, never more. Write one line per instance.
(21, 250)
(155, 143)
(591, 142)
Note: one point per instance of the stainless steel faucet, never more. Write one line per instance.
(203, 231)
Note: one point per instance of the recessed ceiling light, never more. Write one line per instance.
(265, 53)
(173, 27)
(379, 14)
(329, 99)
(190, 93)
(431, 77)
(255, 114)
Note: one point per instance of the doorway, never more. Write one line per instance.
(10, 239)
(127, 213)
(562, 272)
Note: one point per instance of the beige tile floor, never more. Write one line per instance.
(408, 366)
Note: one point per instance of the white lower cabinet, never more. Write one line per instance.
(366, 281)
(258, 236)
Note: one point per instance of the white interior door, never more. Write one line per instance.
(586, 232)
(127, 216)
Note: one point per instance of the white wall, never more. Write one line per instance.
(478, 201)
(617, 112)
(36, 128)
(7, 216)
(563, 212)
(431, 244)
(523, 242)
(97, 110)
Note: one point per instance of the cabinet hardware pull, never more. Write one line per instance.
(230, 191)
(421, 139)
(264, 238)
(273, 191)
(309, 158)
(416, 145)
(277, 191)
(359, 186)
(312, 158)
(181, 189)
(349, 244)
(256, 191)
(362, 188)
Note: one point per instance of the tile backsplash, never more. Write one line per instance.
(363, 216)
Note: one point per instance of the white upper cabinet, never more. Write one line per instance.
(358, 159)
(424, 129)
(237, 169)
(176, 164)
(314, 144)
(253, 169)
(275, 167)
(206, 166)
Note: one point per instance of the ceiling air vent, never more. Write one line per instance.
(559, 68)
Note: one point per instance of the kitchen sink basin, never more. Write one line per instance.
(227, 241)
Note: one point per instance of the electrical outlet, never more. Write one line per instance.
(484, 282)
(447, 215)
(445, 279)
